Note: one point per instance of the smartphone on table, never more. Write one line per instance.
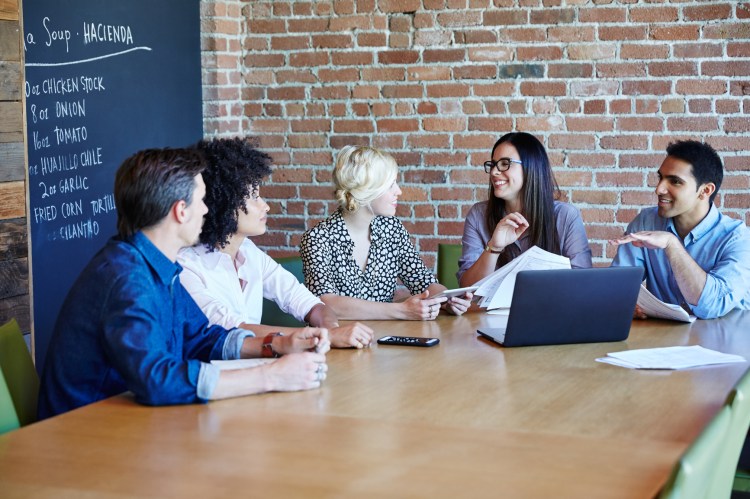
(409, 341)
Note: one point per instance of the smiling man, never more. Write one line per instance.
(692, 255)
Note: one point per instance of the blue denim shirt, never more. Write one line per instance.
(128, 324)
(719, 244)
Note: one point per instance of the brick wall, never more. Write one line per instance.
(605, 84)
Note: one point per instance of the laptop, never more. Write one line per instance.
(557, 307)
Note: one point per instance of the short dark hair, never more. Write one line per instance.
(704, 160)
(149, 182)
(234, 168)
(538, 193)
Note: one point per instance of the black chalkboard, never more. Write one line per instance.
(103, 80)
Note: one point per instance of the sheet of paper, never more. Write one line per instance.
(669, 358)
(227, 365)
(497, 288)
(654, 307)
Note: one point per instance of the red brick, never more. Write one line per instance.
(267, 26)
(697, 50)
(549, 88)
(470, 37)
(693, 124)
(499, 53)
(572, 141)
(587, 88)
(459, 19)
(427, 141)
(591, 160)
(619, 179)
(307, 141)
(597, 196)
(399, 5)
(353, 126)
(307, 25)
(383, 74)
(573, 178)
(308, 59)
(737, 200)
(672, 68)
(542, 123)
(397, 125)
(290, 42)
(402, 91)
(447, 90)
(553, 16)
(571, 34)
(653, 14)
(330, 92)
(567, 71)
(455, 160)
(646, 106)
(495, 89)
(641, 51)
(443, 55)
(595, 107)
(350, 23)
(735, 125)
(640, 124)
(500, 124)
(589, 124)
(622, 32)
(451, 193)
(398, 57)
(646, 87)
(638, 142)
(523, 35)
(675, 32)
(351, 58)
(707, 12)
(332, 41)
(505, 17)
(475, 176)
(371, 39)
(536, 53)
(701, 87)
(444, 124)
(590, 52)
(621, 70)
(636, 198)
(286, 93)
(602, 15)
(729, 68)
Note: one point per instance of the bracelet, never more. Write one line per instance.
(493, 250)
(267, 350)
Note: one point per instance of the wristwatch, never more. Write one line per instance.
(492, 250)
(267, 350)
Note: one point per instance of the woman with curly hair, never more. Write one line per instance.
(227, 274)
(521, 212)
(353, 259)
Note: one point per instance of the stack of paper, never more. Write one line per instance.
(496, 289)
(669, 358)
(654, 307)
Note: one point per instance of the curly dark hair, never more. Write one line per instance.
(234, 168)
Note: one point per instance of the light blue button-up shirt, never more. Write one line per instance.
(719, 244)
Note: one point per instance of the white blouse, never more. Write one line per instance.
(229, 296)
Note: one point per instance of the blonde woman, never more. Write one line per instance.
(354, 258)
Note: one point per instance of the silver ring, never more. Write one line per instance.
(319, 369)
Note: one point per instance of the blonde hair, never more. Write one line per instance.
(361, 175)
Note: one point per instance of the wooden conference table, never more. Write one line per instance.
(466, 418)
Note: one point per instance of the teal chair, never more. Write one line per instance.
(19, 373)
(8, 418)
(272, 314)
(448, 256)
(707, 469)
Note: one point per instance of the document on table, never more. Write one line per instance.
(228, 365)
(654, 307)
(669, 358)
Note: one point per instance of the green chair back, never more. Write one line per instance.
(707, 469)
(693, 477)
(8, 418)
(272, 314)
(18, 370)
(448, 256)
(739, 402)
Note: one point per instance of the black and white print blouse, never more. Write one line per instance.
(328, 261)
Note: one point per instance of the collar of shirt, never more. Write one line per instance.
(162, 266)
(700, 230)
(377, 228)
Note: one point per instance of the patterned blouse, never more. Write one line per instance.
(329, 266)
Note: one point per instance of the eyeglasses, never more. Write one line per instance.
(501, 164)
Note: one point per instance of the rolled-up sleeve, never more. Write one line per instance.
(727, 282)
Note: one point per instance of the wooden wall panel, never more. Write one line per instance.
(14, 264)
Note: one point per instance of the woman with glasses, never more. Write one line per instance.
(521, 212)
(354, 258)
